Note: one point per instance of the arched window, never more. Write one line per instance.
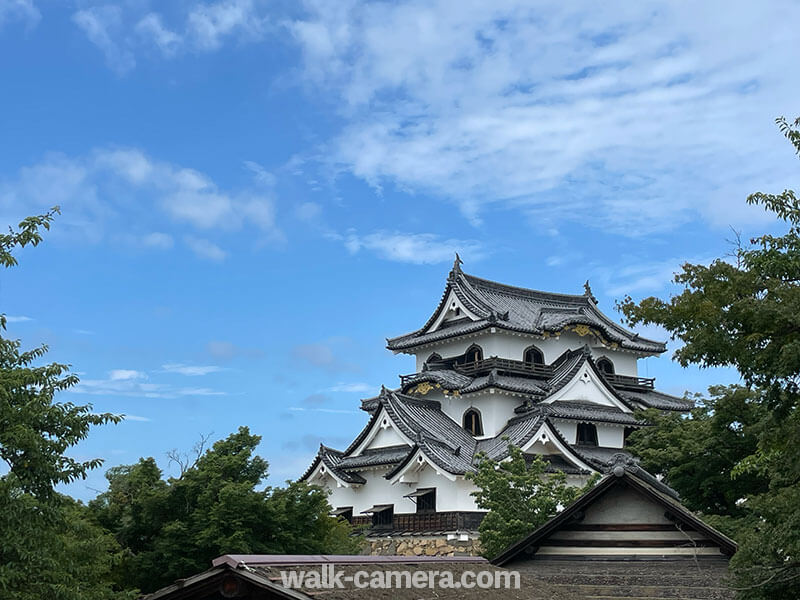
(533, 356)
(587, 434)
(472, 422)
(606, 366)
(473, 354)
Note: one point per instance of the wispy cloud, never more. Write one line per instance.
(325, 355)
(322, 410)
(356, 387)
(634, 276)
(103, 26)
(125, 375)
(123, 31)
(124, 189)
(205, 249)
(135, 383)
(224, 350)
(19, 10)
(18, 318)
(632, 118)
(191, 370)
(416, 248)
(137, 418)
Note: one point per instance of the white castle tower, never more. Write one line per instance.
(495, 364)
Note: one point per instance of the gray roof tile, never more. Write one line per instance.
(523, 310)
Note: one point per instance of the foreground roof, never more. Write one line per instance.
(697, 539)
(493, 304)
(539, 580)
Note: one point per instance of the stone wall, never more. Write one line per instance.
(418, 545)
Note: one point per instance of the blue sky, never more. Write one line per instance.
(255, 194)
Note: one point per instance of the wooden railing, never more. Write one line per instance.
(432, 521)
(504, 365)
(518, 367)
(626, 381)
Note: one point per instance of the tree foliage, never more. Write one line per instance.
(698, 452)
(745, 313)
(173, 528)
(47, 547)
(520, 495)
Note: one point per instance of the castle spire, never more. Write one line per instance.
(587, 291)
(457, 264)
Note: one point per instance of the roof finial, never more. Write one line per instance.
(457, 264)
(587, 291)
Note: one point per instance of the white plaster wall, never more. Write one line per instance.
(450, 495)
(610, 436)
(496, 409)
(386, 437)
(507, 345)
(568, 429)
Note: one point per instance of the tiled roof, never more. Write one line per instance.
(659, 400)
(586, 411)
(332, 460)
(521, 310)
(372, 457)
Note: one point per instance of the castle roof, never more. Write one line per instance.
(492, 304)
(538, 389)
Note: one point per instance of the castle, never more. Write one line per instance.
(495, 364)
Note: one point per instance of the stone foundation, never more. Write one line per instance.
(423, 545)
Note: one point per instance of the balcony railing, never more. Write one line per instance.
(628, 382)
(504, 365)
(523, 369)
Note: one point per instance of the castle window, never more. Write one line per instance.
(473, 354)
(345, 512)
(626, 434)
(587, 434)
(606, 366)
(382, 516)
(434, 358)
(425, 499)
(472, 422)
(533, 356)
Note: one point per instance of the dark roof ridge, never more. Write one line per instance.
(525, 292)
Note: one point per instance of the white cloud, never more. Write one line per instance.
(416, 248)
(355, 387)
(133, 383)
(205, 249)
(102, 25)
(322, 410)
(634, 276)
(326, 355)
(127, 189)
(19, 10)
(125, 375)
(122, 31)
(18, 319)
(137, 418)
(162, 241)
(632, 117)
(151, 29)
(208, 24)
(190, 370)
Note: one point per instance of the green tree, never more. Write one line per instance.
(745, 313)
(47, 549)
(697, 453)
(171, 529)
(520, 495)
